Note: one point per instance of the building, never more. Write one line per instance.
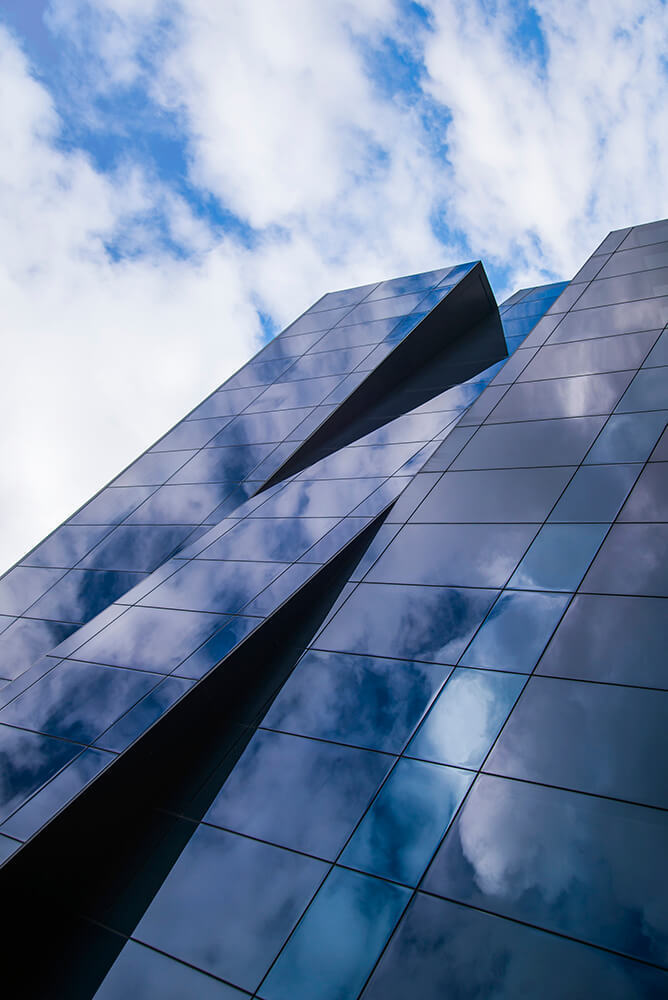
(355, 683)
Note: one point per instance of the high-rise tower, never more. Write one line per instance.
(354, 684)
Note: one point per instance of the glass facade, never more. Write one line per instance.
(354, 684)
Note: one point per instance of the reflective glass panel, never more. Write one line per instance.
(497, 495)
(530, 443)
(443, 950)
(266, 890)
(559, 557)
(649, 499)
(298, 793)
(360, 700)
(620, 640)
(500, 855)
(206, 585)
(648, 391)
(281, 539)
(586, 357)
(632, 560)
(466, 717)
(140, 971)
(562, 397)
(399, 834)
(222, 465)
(603, 321)
(423, 623)
(476, 555)
(596, 493)
(28, 760)
(596, 738)
(516, 631)
(339, 939)
(628, 437)
(143, 714)
(136, 548)
(81, 594)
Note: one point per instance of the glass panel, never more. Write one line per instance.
(56, 794)
(225, 403)
(346, 297)
(562, 397)
(640, 259)
(281, 539)
(359, 700)
(22, 586)
(287, 584)
(288, 395)
(399, 305)
(628, 437)
(445, 950)
(255, 428)
(326, 363)
(520, 495)
(111, 505)
(222, 465)
(476, 555)
(153, 469)
(82, 594)
(586, 357)
(404, 826)
(651, 232)
(141, 549)
(334, 498)
(143, 714)
(659, 353)
(189, 504)
(516, 631)
(412, 283)
(423, 623)
(594, 738)
(466, 717)
(559, 557)
(619, 640)
(191, 434)
(449, 450)
(649, 500)
(625, 288)
(205, 585)
(500, 855)
(534, 442)
(596, 493)
(266, 890)
(648, 391)
(24, 641)
(140, 972)
(150, 638)
(633, 560)
(339, 940)
(28, 761)
(65, 546)
(298, 793)
(605, 321)
(78, 701)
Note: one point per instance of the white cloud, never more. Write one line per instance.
(282, 124)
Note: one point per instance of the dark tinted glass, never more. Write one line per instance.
(360, 700)
(143, 714)
(423, 623)
(78, 701)
(281, 539)
(533, 442)
(254, 428)
(477, 555)
(23, 585)
(604, 321)
(136, 548)
(640, 259)
(26, 639)
(625, 288)
(595, 738)
(608, 354)
(66, 546)
(659, 353)
(559, 557)
(266, 889)
(221, 465)
(205, 585)
(153, 469)
(28, 760)
(563, 397)
(81, 594)
(339, 940)
(499, 855)
(317, 499)
(648, 391)
(651, 232)
(499, 495)
(596, 493)
(189, 504)
(616, 639)
(628, 437)
(150, 638)
(445, 950)
(298, 793)
(140, 971)
(59, 791)
(404, 826)
(633, 560)
(516, 631)
(649, 500)
(288, 395)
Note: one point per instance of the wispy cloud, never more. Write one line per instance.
(178, 175)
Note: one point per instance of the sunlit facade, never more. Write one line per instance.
(354, 684)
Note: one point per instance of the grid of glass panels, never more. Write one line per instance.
(484, 700)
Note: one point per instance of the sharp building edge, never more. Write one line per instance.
(354, 684)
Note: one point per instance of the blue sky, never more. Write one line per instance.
(181, 178)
